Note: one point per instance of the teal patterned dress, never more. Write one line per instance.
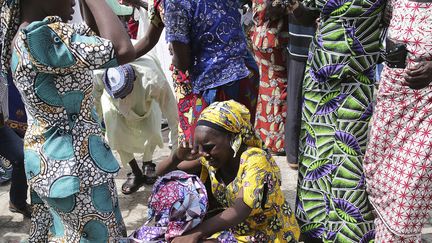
(338, 90)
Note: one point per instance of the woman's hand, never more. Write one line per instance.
(274, 11)
(419, 76)
(292, 6)
(186, 153)
(136, 3)
(188, 238)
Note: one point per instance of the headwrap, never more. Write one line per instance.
(10, 21)
(232, 117)
(119, 81)
(178, 203)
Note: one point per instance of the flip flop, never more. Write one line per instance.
(132, 184)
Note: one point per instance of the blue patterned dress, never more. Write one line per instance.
(69, 166)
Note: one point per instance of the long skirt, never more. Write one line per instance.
(190, 105)
(272, 107)
(398, 162)
(92, 215)
(332, 203)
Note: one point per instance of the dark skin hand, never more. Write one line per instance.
(274, 12)
(419, 76)
(303, 14)
(136, 4)
(181, 159)
(229, 218)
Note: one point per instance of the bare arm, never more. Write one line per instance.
(149, 41)
(109, 27)
(190, 164)
(181, 55)
(227, 219)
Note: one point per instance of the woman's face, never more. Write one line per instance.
(62, 8)
(214, 145)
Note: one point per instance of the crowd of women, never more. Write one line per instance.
(364, 159)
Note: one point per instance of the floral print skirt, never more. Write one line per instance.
(272, 106)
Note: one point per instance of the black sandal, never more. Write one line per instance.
(132, 184)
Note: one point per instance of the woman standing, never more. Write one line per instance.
(332, 203)
(210, 57)
(69, 167)
(398, 161)
(269, 42)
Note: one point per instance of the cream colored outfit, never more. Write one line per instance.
(133, 124)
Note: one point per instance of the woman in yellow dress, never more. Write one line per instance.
(243, 177)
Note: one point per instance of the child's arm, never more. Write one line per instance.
(229, 218)
(109, 27)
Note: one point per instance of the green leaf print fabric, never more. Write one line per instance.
(338, 90)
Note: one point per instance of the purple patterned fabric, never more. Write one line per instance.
(178, 203)
(219, 49)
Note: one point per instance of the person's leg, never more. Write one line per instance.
(293, 119)
(135, 178)
(148, 167)
(12, 148)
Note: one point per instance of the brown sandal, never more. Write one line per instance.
(132, 184)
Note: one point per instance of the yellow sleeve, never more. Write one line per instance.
(256, 178)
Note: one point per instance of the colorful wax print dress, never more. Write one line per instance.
(398, 163)
(271, 219)
(269, 42)
(69, 167)
(338, 91)
(222, 67)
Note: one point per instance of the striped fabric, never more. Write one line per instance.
(300, 37)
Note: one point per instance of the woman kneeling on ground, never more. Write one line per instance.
(245, 180)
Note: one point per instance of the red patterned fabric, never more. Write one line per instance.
(190, 105)
(269, 41)
(398, 161)
(272, 106)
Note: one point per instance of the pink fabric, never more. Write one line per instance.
(398, 161)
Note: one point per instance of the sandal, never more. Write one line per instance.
(149, 173)
(132, 184)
